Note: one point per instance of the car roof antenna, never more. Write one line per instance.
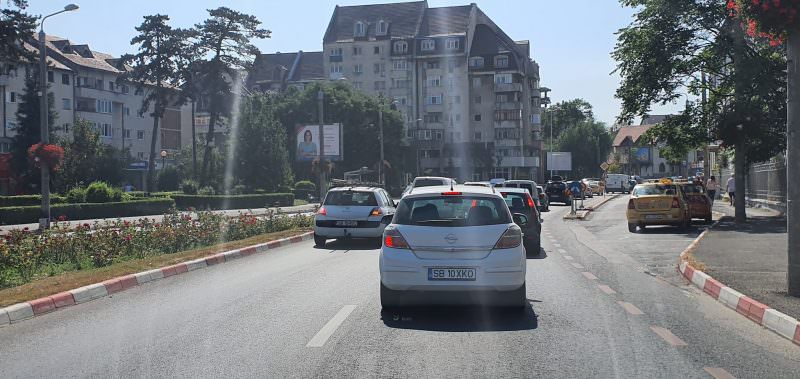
(451, 185)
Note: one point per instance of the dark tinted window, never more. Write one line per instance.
(516, 202)
(452, 211)
(428, 183)
(693, 188)
(351, 198)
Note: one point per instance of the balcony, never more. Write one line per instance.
(427, 143)
(507, 106)
(4, 80)
(506, 142)
(335, 58)
(519, 162)
(508, 87)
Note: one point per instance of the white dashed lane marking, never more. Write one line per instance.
(327, 331)
(668, 336)
(630, 308)
(718, 373)
(567, 257)
(562, 251)
(578, 266)
(608, 290)
(589, 275)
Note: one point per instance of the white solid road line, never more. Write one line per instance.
(562, 251)
(327, 331)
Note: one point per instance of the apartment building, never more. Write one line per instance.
(84, 83)
(465, 89)
(279, 71)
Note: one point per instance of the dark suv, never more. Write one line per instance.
(557, 192)
(519, 200)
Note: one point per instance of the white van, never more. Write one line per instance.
(617, 183)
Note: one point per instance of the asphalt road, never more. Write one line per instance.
(298, 311)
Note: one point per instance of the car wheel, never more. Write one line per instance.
(389, 298)
(632, 228)
(319, 241)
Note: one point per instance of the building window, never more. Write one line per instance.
(478, 136)
(502, 78)
(400, 47)
(337, 52)
(399, 83)
(477, 117)
(433, 65)
(402, 100)
(376, 50)
(106, 130)
(359, 30)
(50, 77)
(357, 50)
(140, 134)
(382, 28)
(127, 134)
(65, 79)
(138, 92)
(12, 97)
(126, 111)
(476, 82)
(434, 81)
(501, 61)
(380, 68)
(124, 89)
(66, 127)
(336, 68)
(66, 104)
(477, 99)
(380, 84)
(427, 45)
(433, 117)
(98, 83)
(140, 155)
(433, 100)
(103, 106)
(452, 43)
(111, 86)
(457, 99)
(358, 85)
(359, 68)
(400, 65)
(476, 62)
(5, 147)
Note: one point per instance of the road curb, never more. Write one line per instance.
(762, 314)
(29, 309)
(581, 214)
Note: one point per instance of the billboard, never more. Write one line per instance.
(640, 154)
(307, 139)
(559, 161)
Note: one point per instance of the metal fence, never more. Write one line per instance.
(766, 184)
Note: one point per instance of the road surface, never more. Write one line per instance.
(603, 303)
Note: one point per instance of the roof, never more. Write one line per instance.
(50, 61)
(653, 119)
(308, 66)
(403, 19)
(79, 55)
(633, 131)
(445, 20)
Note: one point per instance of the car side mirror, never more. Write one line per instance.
(520, 219)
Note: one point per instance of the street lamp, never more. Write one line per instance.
(163, 159)
(546, 102)
(44, 218)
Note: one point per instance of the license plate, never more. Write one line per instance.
(346, 223)
(653, 217)
(452, 273)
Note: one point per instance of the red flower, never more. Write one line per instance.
(62, 218)
(51, 154)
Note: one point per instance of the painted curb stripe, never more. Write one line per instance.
(42, 306)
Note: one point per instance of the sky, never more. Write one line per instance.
(570, 39)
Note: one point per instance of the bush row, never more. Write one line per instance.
(213, 202)
(85, 211)
(23, 200)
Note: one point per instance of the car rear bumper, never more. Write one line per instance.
(376, 232)
(671, 217)
(501, 270)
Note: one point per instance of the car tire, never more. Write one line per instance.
(319, 241)
(632, 228)
(390, 299)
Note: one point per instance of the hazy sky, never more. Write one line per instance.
(571, 40)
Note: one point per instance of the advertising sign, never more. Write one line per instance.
(559, 161)
(641, 154)
(140, 165)
(308, 142)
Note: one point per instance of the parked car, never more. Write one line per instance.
(353, 212)
(454, 246)
(588, 192)
(519, 200)
(618, 183)
(661, 203)
(544, 201)
(427, 181)
(596, 185)
(557, 192)
(699, 202)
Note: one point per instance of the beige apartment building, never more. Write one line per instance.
(469, 93)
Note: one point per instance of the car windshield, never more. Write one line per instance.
(452, 211)
(428, 182)
(693, 189)
(655, 189)
(351, 198)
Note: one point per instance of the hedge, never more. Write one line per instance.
(203, 202)
(23, 200)
(85, 211)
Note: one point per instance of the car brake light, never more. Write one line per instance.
(631, 205)
(530, 201)
(451, 193)
(322, 211)
(675, 203)
(510, 239)
(376, 212)
(392, 238)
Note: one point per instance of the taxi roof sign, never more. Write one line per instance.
(665, 181)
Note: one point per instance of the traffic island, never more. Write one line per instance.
(581, 214)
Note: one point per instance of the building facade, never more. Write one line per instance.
(279, 71)
(637, 157)
(468, 93)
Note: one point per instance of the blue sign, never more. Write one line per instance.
(141, 165)
(575, 187)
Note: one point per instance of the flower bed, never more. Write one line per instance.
(214, 202)
(84, 211)
(25, 255)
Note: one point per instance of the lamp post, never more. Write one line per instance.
(163, 159)
(44, 218)
(546, 102)
(320, 99)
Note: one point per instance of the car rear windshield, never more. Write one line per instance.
(351, 198)
(428, 183)
(516, 202)
(656, 189)
(559, 185)
(452, 211)
(693, 188)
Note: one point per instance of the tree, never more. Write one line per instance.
(28, 130)
(15, 26)
(261, 154)
(155, 69)
(225, 36)
(88, 159)
(664, 54)
(590, 142)
(564, 115)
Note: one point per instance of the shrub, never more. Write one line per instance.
(145, 207)
(168, 179)
(233, 201)
(306, 185)
(284, 189)
(189, 187)
(76, 195)
(207, 191)
(99, 192)
(239, 189)
(23, 200)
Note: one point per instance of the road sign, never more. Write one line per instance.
(604, 166)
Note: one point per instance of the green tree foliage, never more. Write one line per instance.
(261, 154)
(28, 131)
(87, 159)
(590, 143)
(225, 38)
(155, 72)
(358, 114)
(15, 26)
(564, 115)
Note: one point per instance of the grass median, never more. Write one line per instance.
(46, 286)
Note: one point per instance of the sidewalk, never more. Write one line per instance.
(750, 258)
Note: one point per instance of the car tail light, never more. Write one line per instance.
(676, 203)
(451, 193)
(322, 211)
(510, 239)
(530, 201)
(392, 238)
(376, 212)
(631, 204)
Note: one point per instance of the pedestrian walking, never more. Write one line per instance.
(731, 187)
(711, 188)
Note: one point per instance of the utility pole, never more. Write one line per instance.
(322, 166)
(792, 155)
(708, 165)
(44, 217)
(380, 137)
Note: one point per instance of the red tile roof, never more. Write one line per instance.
(633, 131)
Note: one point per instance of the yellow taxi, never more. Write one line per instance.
(699, 202)
(658, 203)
